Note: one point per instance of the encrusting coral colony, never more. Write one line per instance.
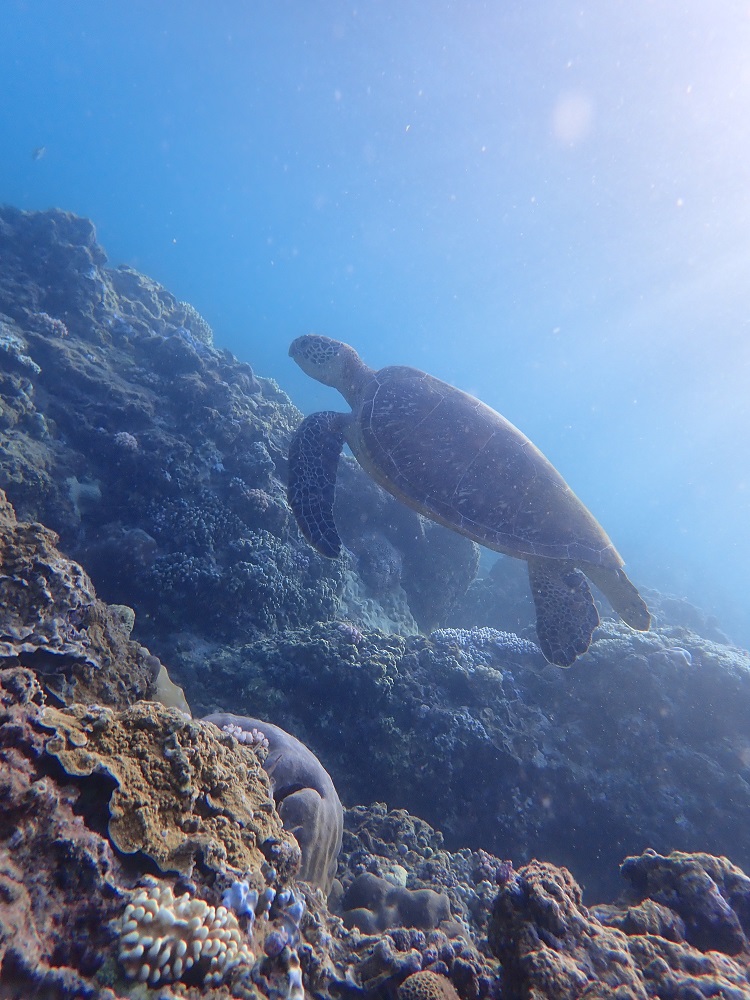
(158, 838)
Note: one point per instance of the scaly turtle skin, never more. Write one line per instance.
(456, 461)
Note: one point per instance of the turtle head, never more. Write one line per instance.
(330, 362)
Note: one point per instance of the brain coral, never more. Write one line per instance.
(182, 791)
(427, 985)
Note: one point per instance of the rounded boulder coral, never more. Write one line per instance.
(427, 985)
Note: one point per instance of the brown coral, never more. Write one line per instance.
(58, 877)
(181, 792)
(427, 985)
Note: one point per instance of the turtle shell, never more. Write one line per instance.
(459, 462)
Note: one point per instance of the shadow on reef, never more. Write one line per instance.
(160, 461)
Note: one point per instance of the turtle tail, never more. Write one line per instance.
(621, 594)
(313, 460)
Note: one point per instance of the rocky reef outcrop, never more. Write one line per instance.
(160, 460)
(51, 619)
(551, 945)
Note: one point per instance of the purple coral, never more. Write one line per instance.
(51, 324)
(275, 943)
(249, 737)
(242, 899)
(478, 640)
(351, 633)
(491, 869)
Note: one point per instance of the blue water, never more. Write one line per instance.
(546, 204)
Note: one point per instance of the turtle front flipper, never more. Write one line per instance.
(566, 615)
(313, 459)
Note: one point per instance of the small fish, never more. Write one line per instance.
(39, 152)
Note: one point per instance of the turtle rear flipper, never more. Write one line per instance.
(566, 615)
(621, 594)
(313, 460)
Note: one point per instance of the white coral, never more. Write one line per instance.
(197, 325)
(161, 937)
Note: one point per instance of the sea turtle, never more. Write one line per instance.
(458, 462)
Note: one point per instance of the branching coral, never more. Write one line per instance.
(161, 937)
(477, 641)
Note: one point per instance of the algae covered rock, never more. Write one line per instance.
(709, 896)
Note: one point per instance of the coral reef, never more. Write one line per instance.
(405, 851)
(142, 853)
(77, 914)
(305, 796)
(551, 945)
(638, 745)
(158, 459)
(476, 640)
(161, 460)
